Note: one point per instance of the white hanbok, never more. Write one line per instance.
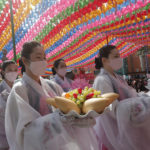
(4, 92)
(4, 86)
(124, 125)
(31, 125)
(65, 84)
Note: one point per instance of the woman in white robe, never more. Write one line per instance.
(116, 127)
(9, 74)
(30, 123)
(59, 70)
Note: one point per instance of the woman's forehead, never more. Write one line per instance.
(11, 66)
(115, 51)
(39, 50)
(62, 62)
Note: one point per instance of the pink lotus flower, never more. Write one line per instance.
(80, 83)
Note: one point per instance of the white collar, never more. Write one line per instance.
(103, 71)
(39, 88)
(6, 85)
(59, 78)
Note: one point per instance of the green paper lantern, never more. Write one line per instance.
(71, 9)
(112, 22)
(139, 10)
(146, 7)
(76, 5)
(81, 4)
(86, 2)
(128, 15)
(122, 17)
(117, 19)
(148, 4)
(67, 12)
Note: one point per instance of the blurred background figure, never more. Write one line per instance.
(9, 74)
(60, 70)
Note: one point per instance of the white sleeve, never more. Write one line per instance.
(26, 129)
(133, 122)
(57, 88)
(45, 132)
(103, 84)
(18, 114)
(136, 110)
(48, 132)
(3, 140)
(21, 90)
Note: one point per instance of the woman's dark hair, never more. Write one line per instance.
(27, 50)
(55, 65)
(103, 52)
(4, 65)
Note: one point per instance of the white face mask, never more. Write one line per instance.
(38, 68)
(116, 63)
(11, 76)
(62, 72)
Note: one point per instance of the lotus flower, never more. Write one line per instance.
(80, 83)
